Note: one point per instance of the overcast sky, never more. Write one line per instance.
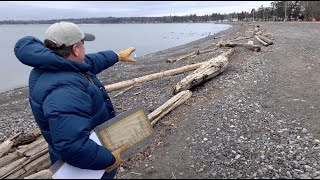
(38, 10)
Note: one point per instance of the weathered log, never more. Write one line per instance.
(27, 148)
(27, 137)
(5, 147)
(14, 136)
(219, 37)
(211, 68)
(261, 41)
(168, 106)
(44, 174)
(206, 51)
(9, 158)
(265, 39)
(37, 149)
(191, 55)
(249, 46)
(241, 38)
(127, 89)
(180, 58)
(172, 72)
(33, 166)
(14, 167)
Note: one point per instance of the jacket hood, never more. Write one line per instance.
(32, 52)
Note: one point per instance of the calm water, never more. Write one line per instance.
(146, 38)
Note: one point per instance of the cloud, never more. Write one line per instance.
(36, 10)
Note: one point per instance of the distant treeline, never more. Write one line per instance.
(278, 11)
(124, 20)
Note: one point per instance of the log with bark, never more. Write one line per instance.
(168, 106)
(172, 72)
(211, 68)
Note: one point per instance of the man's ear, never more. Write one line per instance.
(74, 50)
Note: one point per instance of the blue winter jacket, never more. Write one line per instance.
(66, 105)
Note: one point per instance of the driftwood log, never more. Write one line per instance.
(261, 41)
(265, 39)
(172, 72)
(252, 47)
(211, 68)
(168, 106)
(181, 57)
(5, 147)
(241, 38)
(191, 55)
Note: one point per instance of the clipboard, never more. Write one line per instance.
(131, 128)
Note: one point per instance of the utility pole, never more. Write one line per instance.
(253, 15)
(285, 10)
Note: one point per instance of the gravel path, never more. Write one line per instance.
(258, 119)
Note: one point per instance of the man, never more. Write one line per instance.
(66, 98)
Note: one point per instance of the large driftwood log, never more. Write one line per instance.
(44, 174)
(208, 70)
(5, 147)
(252, 47)
(261, 41)
(265, 39)
(172, 72)
(172, 103)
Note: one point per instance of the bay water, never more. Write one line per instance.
(146, 38)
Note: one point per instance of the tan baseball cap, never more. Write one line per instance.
(66, 33)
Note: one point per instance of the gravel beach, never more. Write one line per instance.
(258, 119)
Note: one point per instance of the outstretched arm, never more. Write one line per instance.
(103, 60)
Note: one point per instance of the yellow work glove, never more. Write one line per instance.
(116, 154)
(124, 56)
